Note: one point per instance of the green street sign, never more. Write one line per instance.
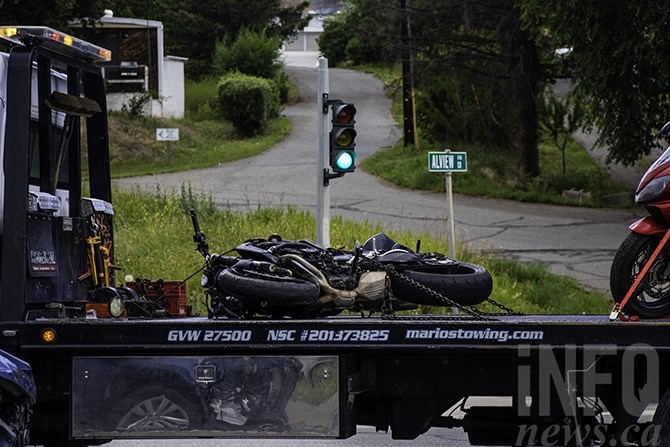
(447, 161)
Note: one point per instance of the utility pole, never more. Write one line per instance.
(409, 127)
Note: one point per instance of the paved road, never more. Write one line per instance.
(578, 242)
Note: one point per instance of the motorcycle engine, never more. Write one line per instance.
(342, 281)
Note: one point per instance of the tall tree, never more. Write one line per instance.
(526, 82)
(482, 72)
(364, 31)
(52, 13)
(619, 65)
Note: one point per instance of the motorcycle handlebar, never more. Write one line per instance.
(194, 219)
(198, 236)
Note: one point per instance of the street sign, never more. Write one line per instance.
(447, 161)
(167, 134)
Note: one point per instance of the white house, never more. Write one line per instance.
(305, 40)
(138, 65)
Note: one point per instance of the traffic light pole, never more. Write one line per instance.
(322, 191)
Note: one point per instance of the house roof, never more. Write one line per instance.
(109, 21)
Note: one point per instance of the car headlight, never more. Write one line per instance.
(653, 189)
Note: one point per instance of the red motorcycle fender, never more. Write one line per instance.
(649, 226)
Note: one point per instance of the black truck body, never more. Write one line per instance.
(571, 379)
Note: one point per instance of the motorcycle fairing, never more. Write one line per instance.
(649, 225)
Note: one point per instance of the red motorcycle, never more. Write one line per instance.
(640, 274)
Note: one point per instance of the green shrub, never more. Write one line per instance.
(137, 104)
(284, 87)
(252, 53)
(346, 37)
(248, 102)
(333, 40)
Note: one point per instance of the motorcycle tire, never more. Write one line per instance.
(265, 291)
(465, 284)
(652, 299)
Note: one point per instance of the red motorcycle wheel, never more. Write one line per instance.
(652, 299)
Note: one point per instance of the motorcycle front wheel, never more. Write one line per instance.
(464, 283)
(652, 297)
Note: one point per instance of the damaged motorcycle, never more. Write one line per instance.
(302, 279)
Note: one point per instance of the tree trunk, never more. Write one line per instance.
(525, 87)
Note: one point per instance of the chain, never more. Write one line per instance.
(387, 300)
(100, 227)
(471, 311)
(506, 310)
(390, 270)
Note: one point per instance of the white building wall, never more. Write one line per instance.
(172, 99)
(305, 40)
(173, 87)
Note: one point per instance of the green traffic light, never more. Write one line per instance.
(342, 138)
(344, 160)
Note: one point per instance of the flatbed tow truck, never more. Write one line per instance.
(567, 380)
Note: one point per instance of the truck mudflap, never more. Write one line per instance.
(208, 396)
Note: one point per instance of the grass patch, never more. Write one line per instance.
(135, 151)
(153, 236)
(204, 138)
(200, 95)
(491, 173)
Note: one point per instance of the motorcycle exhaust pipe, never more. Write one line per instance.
(342, 297)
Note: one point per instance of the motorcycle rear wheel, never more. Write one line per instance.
(652, 299)
(266, 291)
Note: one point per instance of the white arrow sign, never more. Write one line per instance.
(167, 134)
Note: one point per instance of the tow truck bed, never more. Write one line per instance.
(400, 373)
(356, 333)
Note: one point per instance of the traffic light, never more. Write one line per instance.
(342, 138)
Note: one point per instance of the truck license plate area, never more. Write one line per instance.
(209, 396)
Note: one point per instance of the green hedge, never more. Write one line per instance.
(248, 102)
